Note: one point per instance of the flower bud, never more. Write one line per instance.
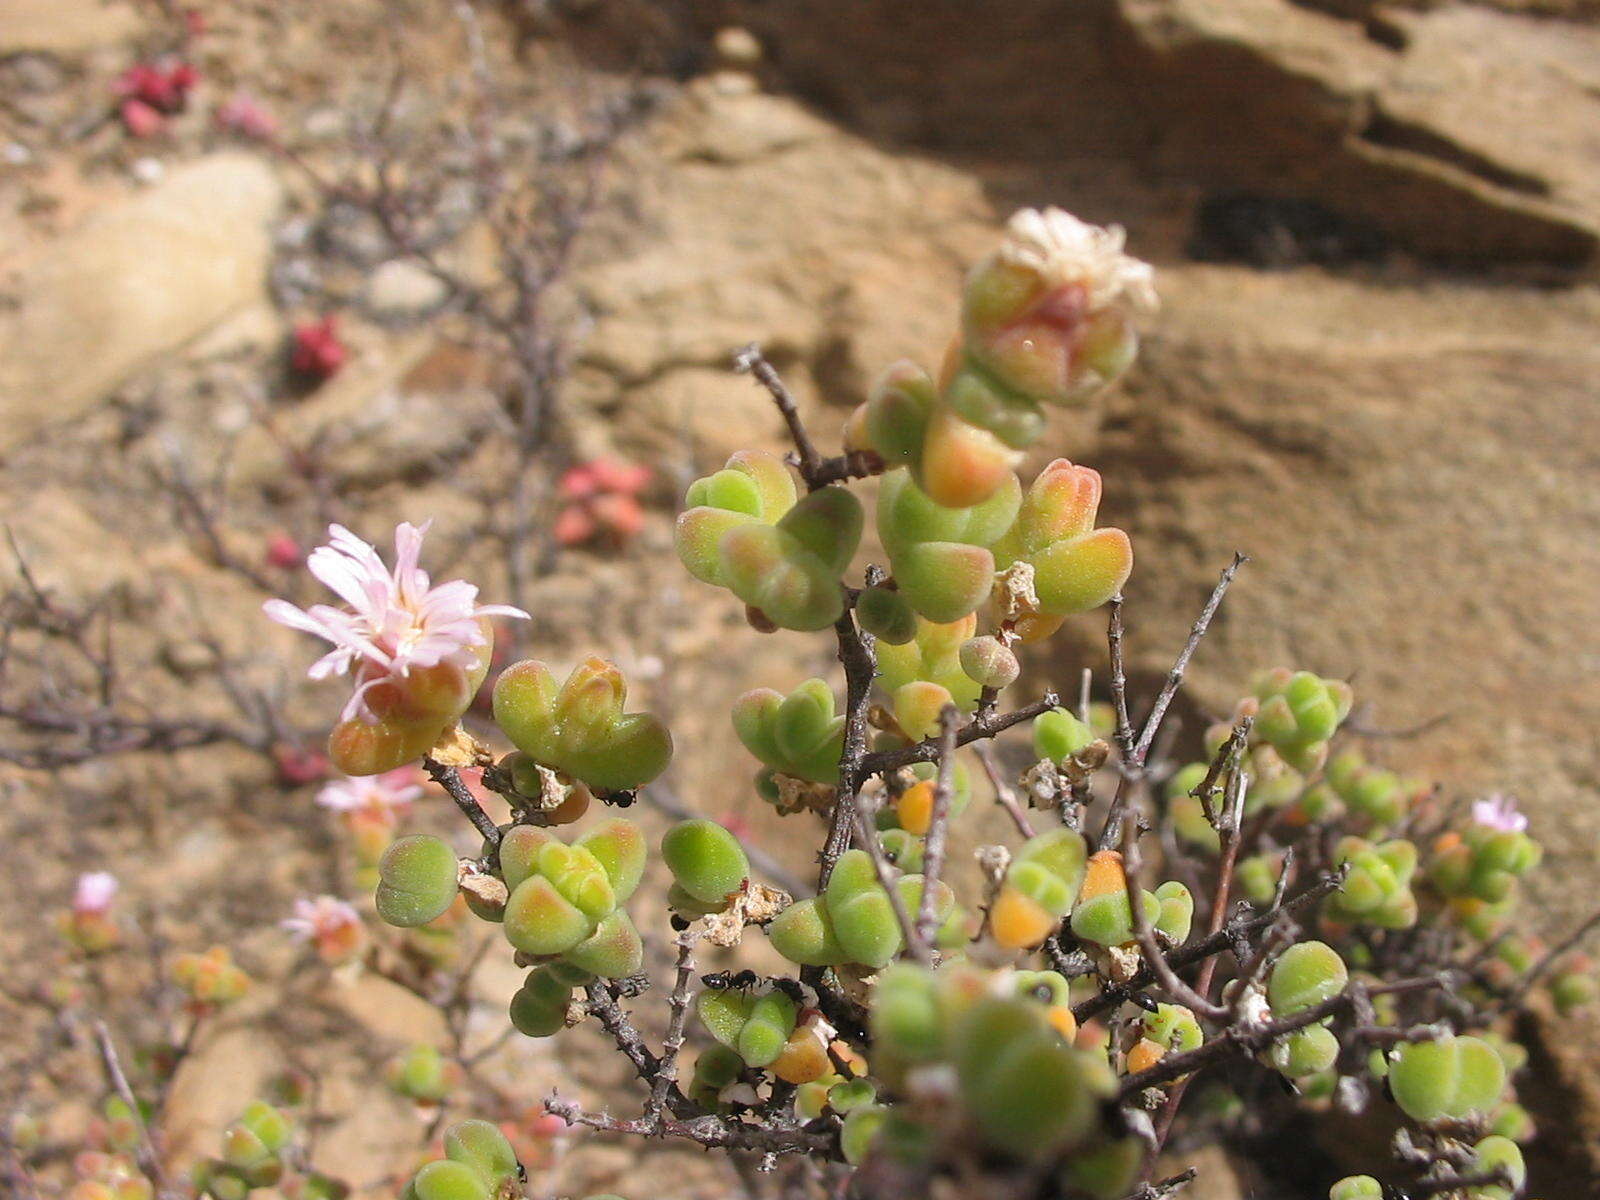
(1046, 319)
(989, 662)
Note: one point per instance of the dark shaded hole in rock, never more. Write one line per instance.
(1279, 231)
(1394, 134)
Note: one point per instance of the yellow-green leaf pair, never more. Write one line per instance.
(744, 530)
(940, 556)
(565, 900)
(1377, 889)
(479, 1164)
(579, 727)
(800, 734)
(755, 1026)
(708, 866)
(853, 921)
(904, 422)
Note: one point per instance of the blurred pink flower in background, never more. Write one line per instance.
(1499, 812)
(329, 925)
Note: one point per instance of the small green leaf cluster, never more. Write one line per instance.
(579, 727)
(252, 1157)
(1024, 1089)
(478, 1164)
(854, 921)
(1298, 714)
(744, 529)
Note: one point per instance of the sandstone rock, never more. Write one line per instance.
(64, 26)
(138, 279)
(1411, 124)
(399, 289)
(367, 425)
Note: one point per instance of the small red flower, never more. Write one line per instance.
(318, 351)
(140, 120)
(602, 502)
(298, 766)
(284, 552)
(164, 87)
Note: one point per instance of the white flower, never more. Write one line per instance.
(390, 793)
(1499, 812)
(1062, 249)
(393, 621)
(94, 892)
(324, 919)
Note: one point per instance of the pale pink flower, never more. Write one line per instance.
(94, 893)
(1499, 812)
(328, 924)
(1061, 249)
(390, 794)
(393, 621)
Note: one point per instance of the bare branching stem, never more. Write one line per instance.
(1174, 680)
(751, 361)
(1243, 1038)
(682, 992)
(977, 729)
(712, 1132)
(1004, 794)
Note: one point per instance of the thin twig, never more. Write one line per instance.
(1004, 794)
(708, 1130)
(149, 1161)
(975, 730)
(682, 993)
(1174, 678)
(450, 779)
(751, 361)
(939, 821)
